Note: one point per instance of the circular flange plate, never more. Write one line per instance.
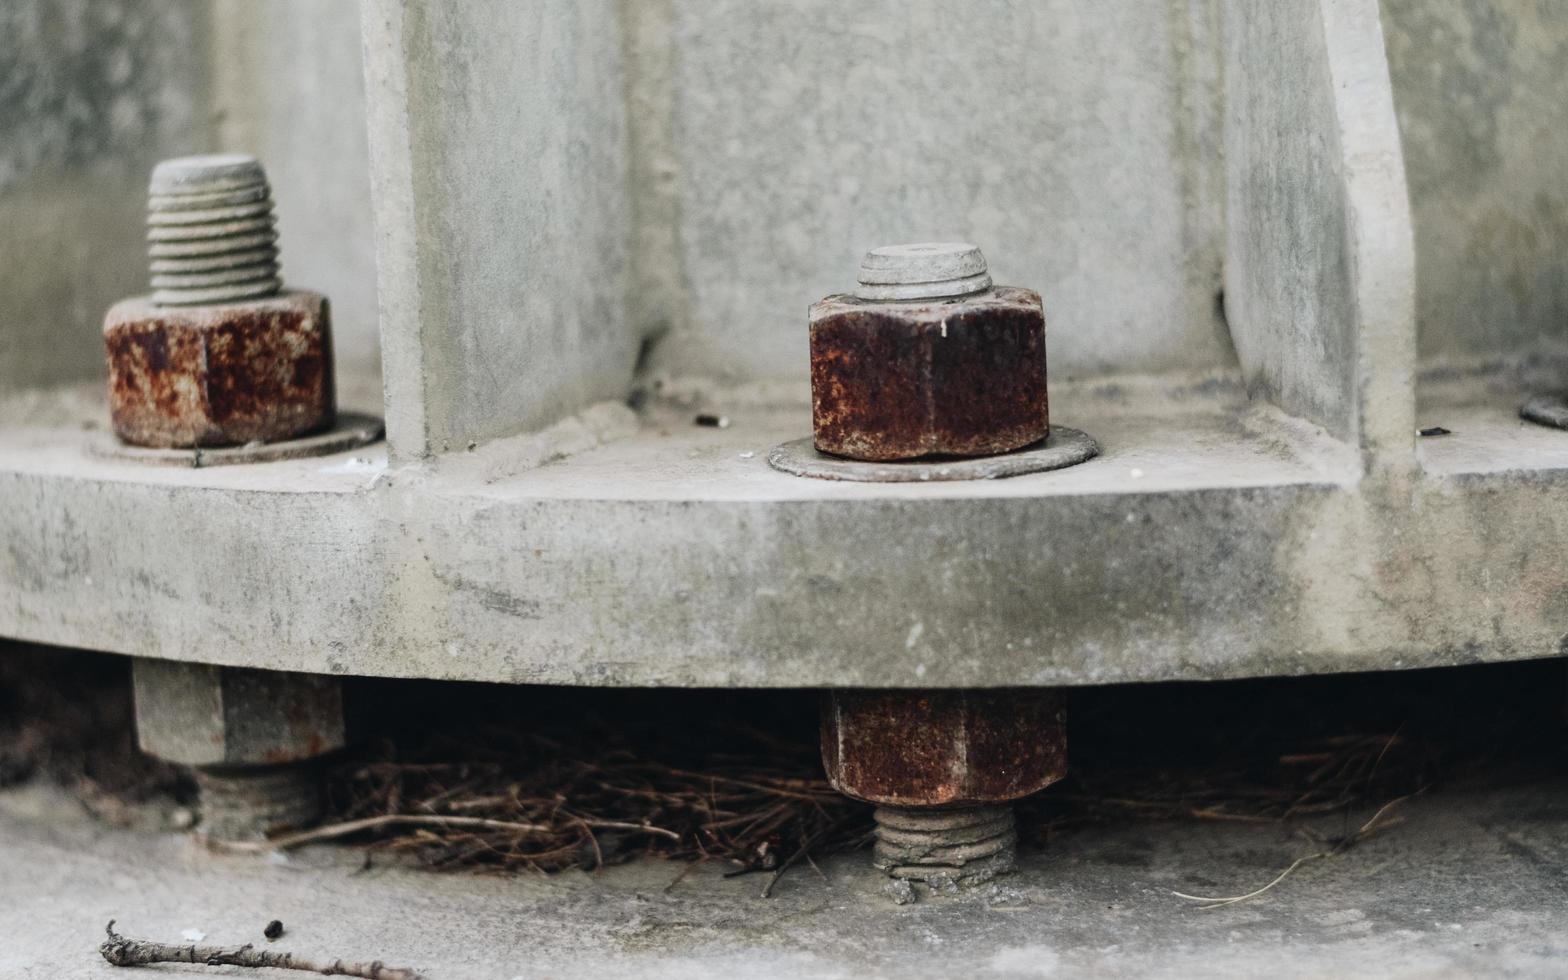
(350, 431)
(1063, 447)
(1549, 410)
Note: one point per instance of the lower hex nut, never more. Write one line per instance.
(943, 768)
(252, 737)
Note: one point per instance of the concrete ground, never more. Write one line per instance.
(1471, 883)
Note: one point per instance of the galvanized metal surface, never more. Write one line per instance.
(959, 377)
(210, 229)
(943, 748)
(922, 271)
(1063, 447)
(1207, 540)
(220, 375)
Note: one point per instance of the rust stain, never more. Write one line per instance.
(937, 748)
(896, 381)
(219, 375)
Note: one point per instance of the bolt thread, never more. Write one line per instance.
(253, 802)
(922, 271)
(210, 231)
(965, 844)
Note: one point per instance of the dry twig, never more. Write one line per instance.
(1369, 828)
(120, 951)
(509, 798)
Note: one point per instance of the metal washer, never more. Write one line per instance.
(1063, 447)
(350, 431)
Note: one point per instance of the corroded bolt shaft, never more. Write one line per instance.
(966, 845)
(210, 231)
(253, 739)
(943, 768)
(251, 802)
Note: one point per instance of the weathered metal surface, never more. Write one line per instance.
(220, 375)
(253, 802)
(923, 271)
(351, 430)
(210, 229)
(943, 748)
(945, 377)
(967, 845)
(1064, 447)
(199, 715)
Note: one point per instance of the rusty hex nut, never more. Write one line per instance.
(927, 358)
(220, 375)
(943, 748)
(204, 715)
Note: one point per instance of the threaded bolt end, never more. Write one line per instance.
(253, 802)
(210, 231)
(966, 845)
(922, 271)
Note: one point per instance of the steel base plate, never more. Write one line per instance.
(1063, 447)
(350, 431)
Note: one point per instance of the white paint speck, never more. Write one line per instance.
(192, 935)
(914, 635)
(747, 455)
(920, 670)
(1135, 473)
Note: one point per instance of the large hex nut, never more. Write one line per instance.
(943, 748)
(201, 715)
(220, 375)
(958, 377)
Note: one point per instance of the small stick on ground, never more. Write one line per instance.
(121, 951)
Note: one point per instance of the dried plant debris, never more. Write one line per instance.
(511, 798)
(509, 778)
